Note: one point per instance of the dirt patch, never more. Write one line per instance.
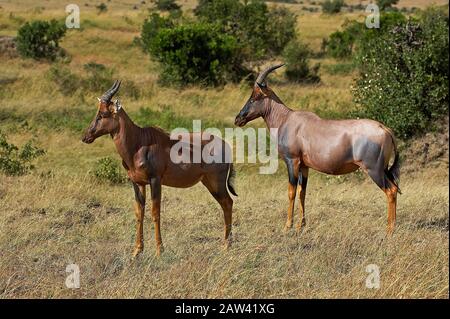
(430, 150)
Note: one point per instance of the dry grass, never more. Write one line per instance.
(60, 215)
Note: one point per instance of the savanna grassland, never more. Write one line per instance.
(61, 214)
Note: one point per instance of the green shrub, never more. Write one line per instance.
(101, 8)
(340, 44)
(403, 79)
(167, 5)
(281, 28)
(332, 6)
(296, 55)
(109, 170)
(261, 31)
(355, 36)
(365, 36)
(196, 53)
(15, 161)
(151, 27)
(214, 49)
(40, 39)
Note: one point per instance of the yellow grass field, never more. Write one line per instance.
(60, 214)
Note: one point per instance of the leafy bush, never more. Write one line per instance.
(296, 54)
(340, 44)
(227, 35)
(167, 5)
(101, 8)
(151, 27)
(15, 161)
(108, 169)
(365, 37)
(332, 6)
(40, 39)
(261, 32)
(281, 28)
(403, 78)
(356, 36)
(196, 53)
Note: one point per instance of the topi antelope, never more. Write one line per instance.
(146, 155)
(329, 146)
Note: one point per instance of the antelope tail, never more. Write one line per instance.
(230, 179)
(393, 172)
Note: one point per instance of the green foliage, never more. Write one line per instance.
(403, 78)
(196, 53)
(260, 31)
(213, 49)
(296, 54)
(340, 44)
(167, 5)
(356, 36)
(386, 4)
(40, 39)
(365, 37)
(101, 8)
(109, 170)
(151, 27)
(332, 6)
(15, 161)
(280, 28)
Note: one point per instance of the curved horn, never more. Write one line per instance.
(262, 76)
(106, 97)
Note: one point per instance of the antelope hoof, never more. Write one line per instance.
(227, 245)
(389, 231)
(299, 227)
(288, 227)
(159, 250)
(137, 251)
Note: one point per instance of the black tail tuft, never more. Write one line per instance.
(393, 173)
(230, 180)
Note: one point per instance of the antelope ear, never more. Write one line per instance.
(116, 107)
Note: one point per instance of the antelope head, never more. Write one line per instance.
(106, 120)
(256, 104)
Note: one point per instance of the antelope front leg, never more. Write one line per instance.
(139, 195)
(155, 184)
(302, 193)
(292, 166)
